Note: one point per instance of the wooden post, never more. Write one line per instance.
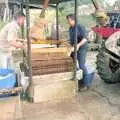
(75, 46)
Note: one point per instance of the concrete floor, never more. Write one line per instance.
(102, 102)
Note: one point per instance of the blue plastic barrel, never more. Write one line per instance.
(7, 78)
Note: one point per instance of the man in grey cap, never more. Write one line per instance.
(9, 39)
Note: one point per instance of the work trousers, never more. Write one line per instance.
(81, 56)
(6, 60)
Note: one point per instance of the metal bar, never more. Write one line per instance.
(95, 4)
(75, 46)
(45, 4)
(57, 23)
(22, 28)
(10, 91)
(28, 41)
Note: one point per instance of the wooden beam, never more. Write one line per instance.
(42, 14)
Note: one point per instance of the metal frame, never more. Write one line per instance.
(22, 28)
(28, 41)
(75, 47)
(57, 32)
(57, 22)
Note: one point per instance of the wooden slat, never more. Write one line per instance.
(47, 55)
(50, 50)
(52, 78)
(53, 67)
(49, 58)
(56, 77)
(8, 108)
(50, 63)
(47, 42)
(52, 70)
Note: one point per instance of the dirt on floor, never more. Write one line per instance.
(99, 103)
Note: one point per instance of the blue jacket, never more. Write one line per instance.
(81, 33)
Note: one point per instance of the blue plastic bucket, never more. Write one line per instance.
(7, 78)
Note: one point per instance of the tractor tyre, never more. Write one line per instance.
(108, 73)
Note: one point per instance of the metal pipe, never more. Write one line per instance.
(22, 28)
(75, 46)
(57, 22)
(45, 4)
(28, 41)
(95, 4)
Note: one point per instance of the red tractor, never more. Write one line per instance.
(108, 58)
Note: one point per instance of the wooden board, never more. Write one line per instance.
(52, 62)
(47, 42)
(56, 77)
(52, 58)
(48, 52)
(47, 55)
(51, 70)
(55, 91)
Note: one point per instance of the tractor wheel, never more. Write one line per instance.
(108, 69)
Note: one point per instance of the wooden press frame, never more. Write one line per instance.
(56, 5)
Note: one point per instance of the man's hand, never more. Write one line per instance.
(20, 40)
(17, 44)
(20, 45)
(73, 49)
(78, 47)
(81, 43)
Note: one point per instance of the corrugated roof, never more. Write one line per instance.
(50, 1)
(39, 1)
